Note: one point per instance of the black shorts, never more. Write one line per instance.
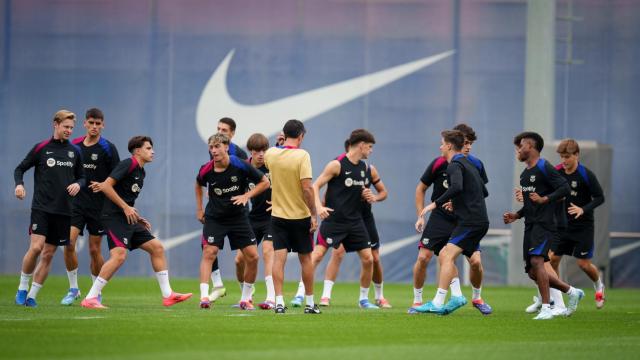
(372, 231)
(292, 235)
(537, 241)
(437, 232)
(576, 241)
(54, 227)
(467, 237)
(237, 229)
(261, 230)
(124, 235)
(81, 217)
(352, 235)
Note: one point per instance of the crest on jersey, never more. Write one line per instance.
(34, 227)
(94, 157)
(51, 162)
(348, 182)
(362, 173)
(210, 239)
(425, 241)
(574, 184)
(252, 186)
(217, 191)
(532, 178)
(234, 179)
(125, 241)
(71, 154)
(135, 188)
(329, 241)
(366, 181)
(445, 184)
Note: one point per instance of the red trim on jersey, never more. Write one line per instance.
(341, 156)
(77, 141)
(205, 169)
(41, 145)
(559, 166)
(439, 162)
(134, 163)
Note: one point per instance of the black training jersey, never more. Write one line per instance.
(98, 160)
(344, 192)
(467, 192)
(366, 207)
(222, 186)
(234, 150)
(58, 164)
(436, 175)
(544, 180)
(585, 193)
(129, 177)
(259, 204)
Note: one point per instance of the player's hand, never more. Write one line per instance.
(73, 189)
(270, 206)
(95, 186)
(200, 215)
(240, 199)
(575, 210)
(368, 195)
(324, 212)
(145, 223)
(427, 208)
(20, 192)
(518, 193)
(420, 224)
(538, 199)
(314, 224)
(132, 215)
(509, 217)
(448, 206)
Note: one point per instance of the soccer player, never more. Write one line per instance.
(126, 229)
(58, 177)
(542, 185)
(342, 221)
(467, 192)
(227, 177)
(441, 224)
(293, 213)
(99, 158)
(226, 126)
(586, 194)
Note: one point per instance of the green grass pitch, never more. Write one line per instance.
(137, 326)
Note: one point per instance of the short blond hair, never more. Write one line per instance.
(63, 115)
(568, 146)
(218, 138)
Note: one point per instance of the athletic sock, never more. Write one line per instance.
(247, 288)
(378, 290)
(271, 292)
(477, 293)
(570, 291)
(163, 281)
(24, 281)
(598, 285)
(216, 278)
(93, 278)
(455, 287)
(204, 290)
(73, 278)
(417, 296)
(326, 290)
(279, 300)
(300, 292)
(96, 288)
(364, 293)
(438, 300)
(309, 299)
(35, 288)
(556, 297)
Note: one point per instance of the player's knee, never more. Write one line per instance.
(338, 254)
(584, 264)
(47, 255)
(209, 252)
(94, 250)
(36, 249)
(251, 259)
(70, 249)
(367, 260)
(118, 255)
(475, 263)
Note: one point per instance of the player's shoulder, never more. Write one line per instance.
(475, 161)
(438, 163)
(205, 168)
(41, 145)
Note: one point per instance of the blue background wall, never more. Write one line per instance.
(145, 64)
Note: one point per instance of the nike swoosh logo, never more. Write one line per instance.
(268, 118)
(347, 172)
(49, 152)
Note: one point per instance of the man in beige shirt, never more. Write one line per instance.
(293, 213)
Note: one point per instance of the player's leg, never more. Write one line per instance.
(420, 273)
(209, 255)
(539, 274)
(279, 261)
(366, 274)
(117, 257)
(240, 267)
(378, 280)
(331, 273)
(71, 263)
(575, 295)
(159, 263)
(267, 256)
(316, 257)
(41, 273)
(476, 273)
(29, 262)
(250, 257)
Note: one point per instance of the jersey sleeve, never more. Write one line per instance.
(78, 169)
(121, 170)
(305, 167)
(483, 174)
(428, 177)
(558, 183)
(454, 172)
(200, 178)
(27, 163)
(253, 174)
(597, 195)
(241, 153)
(115, 157)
